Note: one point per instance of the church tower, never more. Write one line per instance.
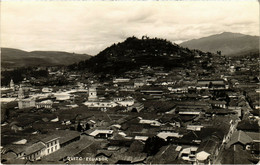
(92, 94)
(20, 93)
(12, 84)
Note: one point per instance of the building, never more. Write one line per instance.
(44, 104)
(120, 80)
(40, 149)
(95, 102)
(178, 89)
(26, 103)
(62, 96)
(102, 133)
(168, 135)
(20, 93)
(216, 84)
(218, 103)
(136, 107)
(35, 151)
(47, 90)
(52, 144)
(150, 122)
(100, 104)
(239, 139)
(92, 94)
(12, 85)
(188, 154)
(207, 151)
(202, 157)
(125, 102)
(139, 83)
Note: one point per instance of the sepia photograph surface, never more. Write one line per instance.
(130, 82)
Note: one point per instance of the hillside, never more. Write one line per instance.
(13, 58)
(228, 43)
(133, 53)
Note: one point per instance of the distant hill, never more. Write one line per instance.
(230, 44)
(133, 53)
(13, 58)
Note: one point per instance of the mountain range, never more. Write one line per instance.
(138, 52)
(230, 44)
(14, 58)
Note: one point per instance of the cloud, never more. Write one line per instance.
(90, 26)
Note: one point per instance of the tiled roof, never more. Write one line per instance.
(248, 125)
(70, 150)
(239, 136)
(96, 132)
(65, 135)
(34, 148)
(49, 138)
(131, 157)
(166, 155)
(254, 135)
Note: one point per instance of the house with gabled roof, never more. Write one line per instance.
(207, 151)
(100, 133)
(239, 139)
(35, 151)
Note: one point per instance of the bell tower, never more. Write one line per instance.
(20, 93)
(12, 84)
(92, 94)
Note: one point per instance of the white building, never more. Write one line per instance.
(26, 103)
(40, 149)
(151, 122)
(20, 93)
(52, 145)
(44, 104)
(165, 135)
(62, 96)
(102, 133)
(12, 85)
(47, 90)
(126, 103)
(92, 94)
(100, 104)
(94, 102)
(120, 80)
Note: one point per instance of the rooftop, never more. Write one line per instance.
(239, 136)
(34, 148)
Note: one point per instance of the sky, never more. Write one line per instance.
(91, 26)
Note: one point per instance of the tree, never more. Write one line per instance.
(87, 127)
(210, 84)
(219, 53)
(153, 145)
(79, 128)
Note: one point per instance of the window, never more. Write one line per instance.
(48, 150)
(51, 149)
(55, 147)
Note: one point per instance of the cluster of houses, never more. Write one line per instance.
(183, 116)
